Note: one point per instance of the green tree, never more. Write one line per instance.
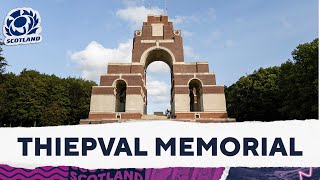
(79, 93)
(254, 97)
(29, 102)
(298, 82)
(35, 99)
(286, 92)
(8, 95)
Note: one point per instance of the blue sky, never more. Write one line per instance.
(235, 37)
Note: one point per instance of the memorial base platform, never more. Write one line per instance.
(207, 120)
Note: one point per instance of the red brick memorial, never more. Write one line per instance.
(122, 94)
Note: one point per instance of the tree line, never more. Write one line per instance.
(35, 99)
(288, 91)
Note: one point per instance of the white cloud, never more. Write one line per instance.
(157, 87)
(135, 15)
(158, 67)
(93, 60)
(158, 92)
(160, 100)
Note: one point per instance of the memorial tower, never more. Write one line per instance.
(122, 93)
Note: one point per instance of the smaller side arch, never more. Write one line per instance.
(195, 79)
(120, 89)
(119, 79)
(196, 95)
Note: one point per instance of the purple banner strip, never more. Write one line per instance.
(180, 173)
(65, 172)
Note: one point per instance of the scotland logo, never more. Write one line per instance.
(22, 26)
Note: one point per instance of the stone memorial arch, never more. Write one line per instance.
(122, 93)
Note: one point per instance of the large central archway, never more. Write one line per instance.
(162, 54)
(157, 53)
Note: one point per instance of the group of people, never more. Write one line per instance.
(168, 113)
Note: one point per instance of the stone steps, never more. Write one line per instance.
(154, 117)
